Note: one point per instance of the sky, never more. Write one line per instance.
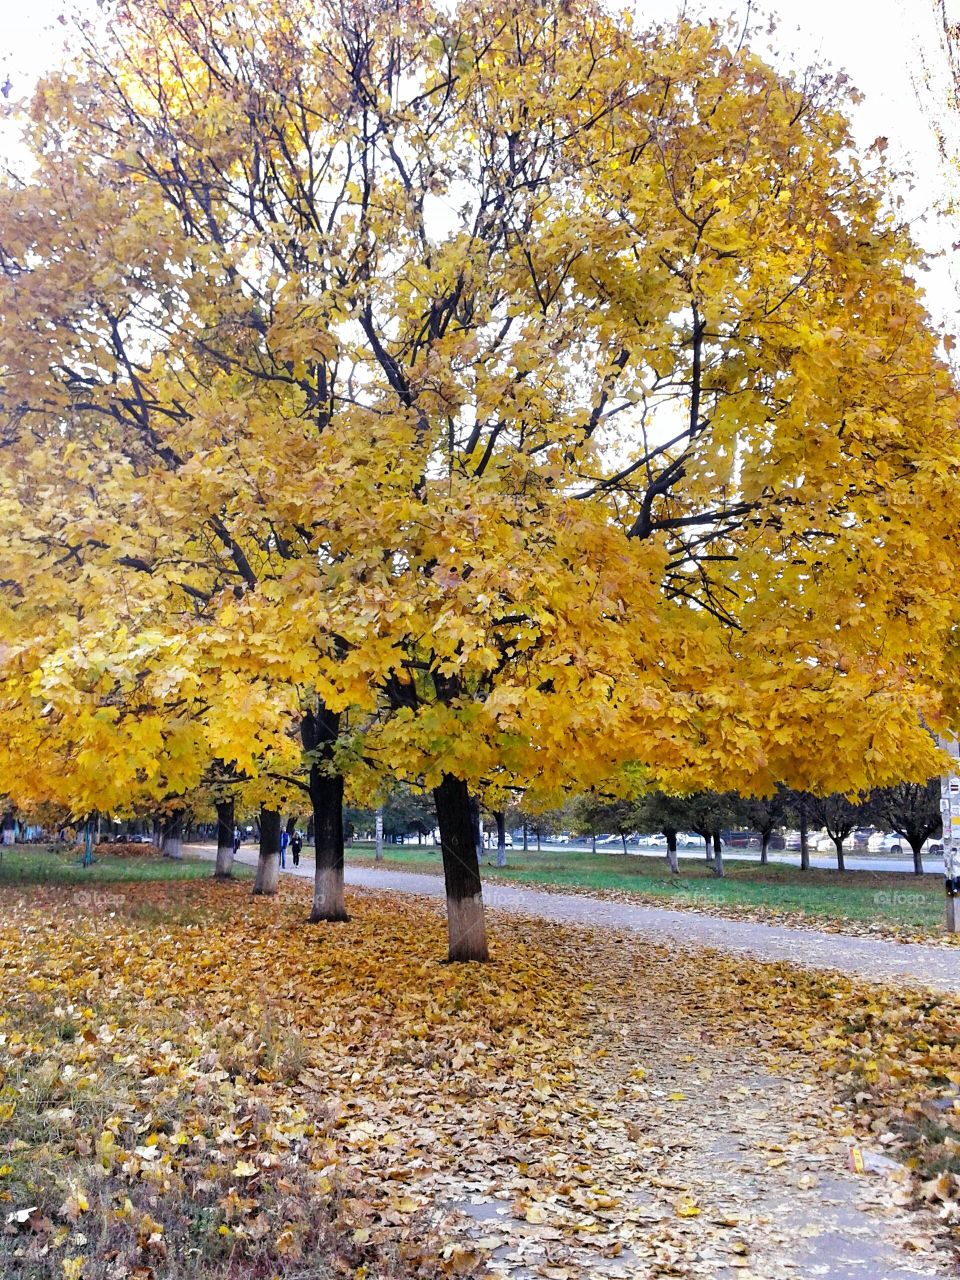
(887, 47)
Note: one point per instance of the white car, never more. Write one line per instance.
(883, 842)
(687, 840)
(656, 841)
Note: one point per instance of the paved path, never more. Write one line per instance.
(879, 959)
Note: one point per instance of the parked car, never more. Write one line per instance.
(740, 839)
(656, 841)
(139, 839)
(608, 840)
(687, 840)
(489, 840)
(791, 840)
(882, 842)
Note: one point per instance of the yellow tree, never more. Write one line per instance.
(546, 395)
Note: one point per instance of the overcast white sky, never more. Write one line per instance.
(883, 45)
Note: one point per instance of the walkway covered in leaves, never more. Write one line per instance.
(877, 959)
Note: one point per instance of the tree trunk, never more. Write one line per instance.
(268, 864)
(501, 820)
(318, 731)
(708, 845)
(623, 841)
(764, 846)
(171, 841)
(838, 841)
(378, 837)
(717, 856)
(917, 857)
(476, 818)
(225, 829)
(157, 832)
(538, 839)
(672, 862)
(326, 796)
(87, 843)
(804, 846)
(466, 930)
(525, 843)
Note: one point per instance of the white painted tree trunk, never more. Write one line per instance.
(268, 873)
(268, 864)
(672, 861)
(378, 854)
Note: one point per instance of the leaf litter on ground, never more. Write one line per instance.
(194, 1086)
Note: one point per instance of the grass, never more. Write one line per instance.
(893, 899)
(61, 865)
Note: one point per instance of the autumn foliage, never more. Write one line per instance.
(188, 1084)
(537, 404)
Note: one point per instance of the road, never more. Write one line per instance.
(877, 959)
(827, 862)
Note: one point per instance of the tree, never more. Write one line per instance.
(268, 863)
(912, 810)
(500, 818)
(839, 816)
(764, 814)
(226, 825)
(407, 813)
(417, 463)
(594, 815)
(657, 811)
(708, 813)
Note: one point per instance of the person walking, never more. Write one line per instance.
(237, 840)
(284, 841)
(296, 845)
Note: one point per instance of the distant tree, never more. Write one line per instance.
(912, 810)
(595, 815)
(839, 816)
(657, 811)
(543, 824)
(798, 809)
(407, 813)
(708, 813)
(764, 815)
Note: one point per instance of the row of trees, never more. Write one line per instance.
(494, 404)
(911, 810)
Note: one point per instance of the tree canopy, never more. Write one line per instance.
(530, 397)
